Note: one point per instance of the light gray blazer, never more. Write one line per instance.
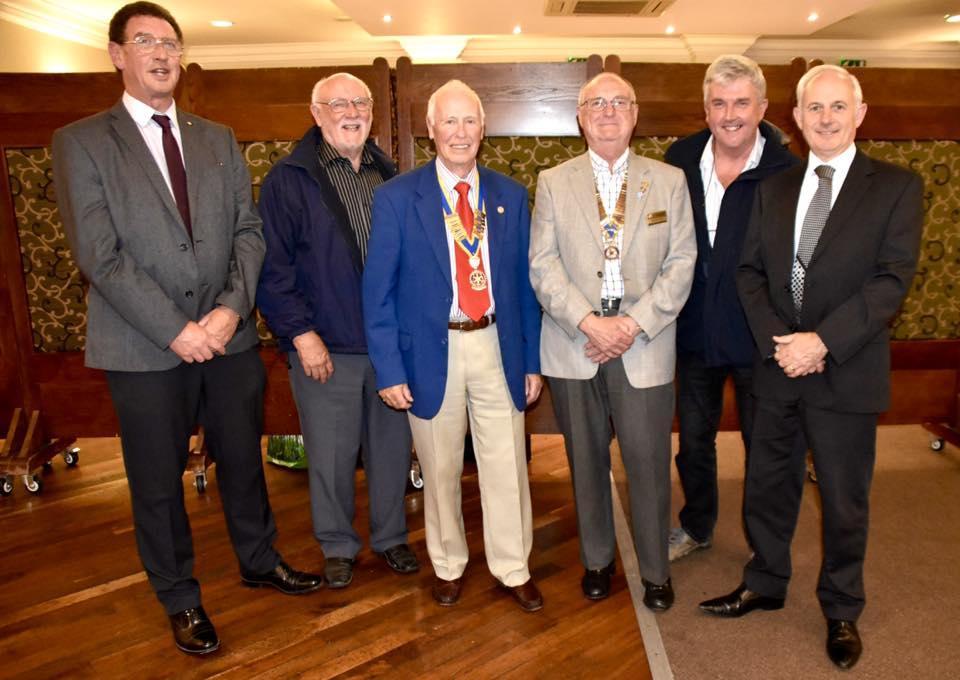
(146, 282)
(566, 265)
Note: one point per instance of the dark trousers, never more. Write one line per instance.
(844, 450)
(641, 419)
(699, 407)
(158, 411)
(341, 419)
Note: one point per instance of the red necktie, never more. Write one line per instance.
(474, 303)
(178, 175)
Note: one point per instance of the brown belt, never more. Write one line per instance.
(471, 325)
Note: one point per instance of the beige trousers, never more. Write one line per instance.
(476, 388)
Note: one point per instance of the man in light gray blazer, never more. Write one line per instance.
(157, 207)
(612, 252)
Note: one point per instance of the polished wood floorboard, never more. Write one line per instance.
(75, 603)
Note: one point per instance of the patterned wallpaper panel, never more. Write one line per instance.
(56, 293)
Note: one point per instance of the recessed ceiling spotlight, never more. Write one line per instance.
(952, 18)
(517, 30)
(221, 23)
(813, 16)
(387, 18)
(670, 30)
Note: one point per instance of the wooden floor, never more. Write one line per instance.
(75, 603)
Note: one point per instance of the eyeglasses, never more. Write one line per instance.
(145, 43)
(600, 103)
(362, 104)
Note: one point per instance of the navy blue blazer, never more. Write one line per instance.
(408, 287)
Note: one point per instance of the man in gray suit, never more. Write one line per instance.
(612, 252)
(157, 207)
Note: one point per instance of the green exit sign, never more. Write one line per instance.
(848, 63)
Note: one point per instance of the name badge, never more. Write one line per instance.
(658, 217)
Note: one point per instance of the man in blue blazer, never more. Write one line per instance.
(453, 331)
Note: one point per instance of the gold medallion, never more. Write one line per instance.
(611, 252)
(474, 261)
(478, 280)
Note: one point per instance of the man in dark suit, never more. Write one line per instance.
(157, 206)
(453, 330)
(723, 165)
(316, 221)
(830, 252)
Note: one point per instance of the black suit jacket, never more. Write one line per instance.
(858, 276)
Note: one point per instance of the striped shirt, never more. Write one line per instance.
(609, 185)
(355, 189)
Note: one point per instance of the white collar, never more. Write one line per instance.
(142, 114)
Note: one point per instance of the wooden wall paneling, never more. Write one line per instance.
(274, 103)
(522, 100)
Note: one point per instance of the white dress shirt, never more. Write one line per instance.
(713, 189)
(152, 132)
(448, 180)
(609, 184)
(841, 166)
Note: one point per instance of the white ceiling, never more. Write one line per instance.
(308, 32)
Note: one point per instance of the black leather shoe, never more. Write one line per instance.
(596, 582)
(286, 579)
(741, 601)
(401, 559)
(193, 632)
(843, 643)
(338, 571)
(657, 598)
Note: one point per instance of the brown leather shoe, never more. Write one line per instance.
(446, 593)
(527, 595)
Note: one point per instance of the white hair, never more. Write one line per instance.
(600, 76)
(315, 92)
(447, 86)
(730, 67)
(818, 71)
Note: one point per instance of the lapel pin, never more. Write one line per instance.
(500, 209)
(189, 122)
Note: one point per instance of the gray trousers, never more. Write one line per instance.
(642, 421)
(341, 419)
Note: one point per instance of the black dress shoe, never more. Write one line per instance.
(657, 598)
(596, 582)
(286, 579)
(843, 643)
(401, 559)
(193, 632)
(338, 572)
(741, 601)
(446, 593)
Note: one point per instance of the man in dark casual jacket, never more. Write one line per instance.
(723, 164)
(316, 211)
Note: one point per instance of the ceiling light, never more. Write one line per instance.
(952, 18)
(813, 16)
(517, 30)
(387, 18)
(221, 23)
(670, 30)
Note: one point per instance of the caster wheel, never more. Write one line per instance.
(71, 457)
(937, 445)
(33, 484)
(6, 486)
(200, 481)
(416, 479)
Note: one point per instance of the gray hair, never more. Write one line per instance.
(315, 92)
(606, 74)
(730, 67)
(841, 73)
(452, 85)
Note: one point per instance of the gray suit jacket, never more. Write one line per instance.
(566, 265)
(146, 282)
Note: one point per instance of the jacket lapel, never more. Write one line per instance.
(196, 166)
(126, 129)
(638, 189)
(854, 189)
(781, 240)
(429, 208)
(496, 219)
(583, 189)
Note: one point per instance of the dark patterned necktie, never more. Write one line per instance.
(178, 175)
(813, 223)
